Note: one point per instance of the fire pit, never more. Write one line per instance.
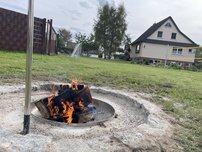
(138, 125)
(73, 106)
(104, 112)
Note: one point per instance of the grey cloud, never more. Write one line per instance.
(75, 13)
(85, 4)
(76, 30)
(64, 12)
(86, 24)
(14, 7)
(102, 2)
(74, 18)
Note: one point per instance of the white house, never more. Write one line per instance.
(163, 42)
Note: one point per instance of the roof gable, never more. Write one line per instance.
(155, 27)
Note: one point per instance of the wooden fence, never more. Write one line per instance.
(13, 33)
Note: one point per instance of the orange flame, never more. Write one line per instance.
(64, 108)
(50, 105)
(69, 112)
(68, 106)
(74, 84)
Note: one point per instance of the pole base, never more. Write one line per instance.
(26, 125)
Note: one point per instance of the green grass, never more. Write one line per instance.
(182, 87)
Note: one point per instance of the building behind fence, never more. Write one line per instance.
(13, 33)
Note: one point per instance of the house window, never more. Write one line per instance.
(168, 25)
(160, 34)
(173, 36)
(180, 51)
(177, 51)
(191, 51)
(138, 48)
(174, 50)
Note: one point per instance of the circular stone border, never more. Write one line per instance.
(152, 133)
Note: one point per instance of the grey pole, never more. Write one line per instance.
(167, 49)
(30, 36)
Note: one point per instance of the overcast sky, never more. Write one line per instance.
(79, 15)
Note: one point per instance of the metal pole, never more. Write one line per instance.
(166, 55)
(30, 36)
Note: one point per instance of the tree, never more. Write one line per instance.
(110, 28)
(88, 43)
(198, 53)
(65, 35)
(60, 43)
(127, 42)
(198, 59)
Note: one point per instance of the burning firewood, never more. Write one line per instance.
(73, 104)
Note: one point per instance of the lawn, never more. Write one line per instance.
(184, 88)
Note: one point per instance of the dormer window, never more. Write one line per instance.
(168, 25)
(173, 36)
(160, 34)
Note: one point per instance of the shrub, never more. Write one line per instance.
(198, 65)
(176, 66)
(125, 56)
(119, 56)
(100, 55)
(146, 62)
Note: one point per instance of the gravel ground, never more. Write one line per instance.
(140, 125)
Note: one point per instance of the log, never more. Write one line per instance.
(80, 100)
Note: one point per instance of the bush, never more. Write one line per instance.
(176, 66)
(194, 67)
(125, 56)
(119, 56)
(100, 55)
(146, 62)
(198, 65)
(66, 50)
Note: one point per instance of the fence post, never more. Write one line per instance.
(44, 41)
(50, 35)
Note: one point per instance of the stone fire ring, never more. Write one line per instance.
(138, 124)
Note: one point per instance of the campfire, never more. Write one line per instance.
(71, 104)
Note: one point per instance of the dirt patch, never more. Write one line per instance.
(139, 126)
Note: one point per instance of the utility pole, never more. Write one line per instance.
(30, 36)
(166, 58)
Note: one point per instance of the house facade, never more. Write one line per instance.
(164, 43)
